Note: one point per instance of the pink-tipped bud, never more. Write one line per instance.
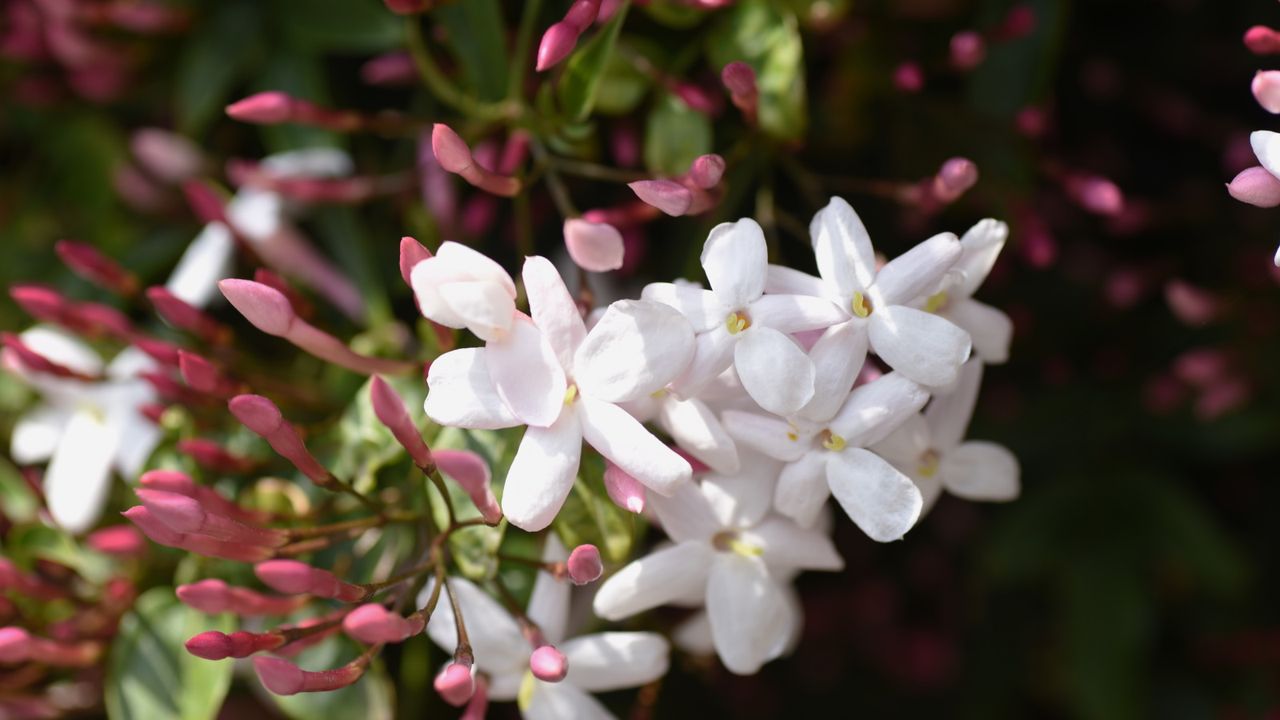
(264, 108)
(1262, 40)
(548, 664)
(14, 645)
(168, 156)
(624, 490)
(407, 7)
(213, 596)
(206, 201)
(1019, 22)
(1031, 121)
(262, 305)
(595, 247)
(284, 678)
(557, 42)
(390, 70)
(165, 353)
(582, 13)
(471, 473)
(373, 623)
(263, 417)
(291, 576)
(391, 412)
(184, 316)
(908, 77)
(118, 540)
(85, 261)
(455, 683)
(1266, 90)
(668, 196)
(1098, 195)
(40, 302)
(203, 377)
(585, 565)
(968, 50)
(1192, 305)
(35, 362)
(1255, 186)
(954, 179)
(412, 252)
(706, 171)
(98, 319)
(214, 645)
(739, 79)
(450, 149)
(186, 514)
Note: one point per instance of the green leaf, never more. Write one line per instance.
(623, 86)
(767, 38)
(345, 25)
(372, 698)
(213, 61)
(40, 542)
(674, 136)
(580, 82)
(17, 501)
(476, 36)
(151, 675)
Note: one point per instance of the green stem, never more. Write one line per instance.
(446, 91)
(520, 56)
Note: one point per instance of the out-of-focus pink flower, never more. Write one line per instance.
(595, 247)
(1191, 305)
(1266, 90)
(908, 77)
(1262, 40)
(968, 50)
(1255, 186)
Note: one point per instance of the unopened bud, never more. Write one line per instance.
(1266, 90)
(954, 179)
(585, 565)
(118, 540)
(471, 473)
(908, 77)
(90, 264)
(1255, 186)
(668, 196)
(284, 678)
(968, 50)
(455, 683)
(264, 108)
(373, 623)
(291, 576)
(412, 252)
(706, 171)
(624, 490)
(548, 664)
(1262, 40)
(262, 305)
(391, 412)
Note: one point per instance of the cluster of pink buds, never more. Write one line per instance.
(559, 39)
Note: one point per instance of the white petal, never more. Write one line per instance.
(697, 430)
(542, 473)
(782, 280)
(837, 359)
(427, 279)
(770, 435)
(78, 479)
(615, 660)
(484, 306)
(137, 436)
(744, 498)
(979, 470)
(774, 370)
(795, 313)
(712, 354)
(461, 393)
(881, 501)
(636, 349)
(62, 348)
(842, 247)
(1266, 145)
(255, 214)
(310, 162)
(621, 438)
(920, 345)
(694, 635)
(495, 636)
(878, 408)
(468, 264)
(527, 374)
(917, 270)
(980, 246)
(802, 489)
(556, 701)
(735, 259)
(949, 414)
(549, 602)
(653, 580)
(747, 611)
(789, 546)
(206, 261)
(905, 446)
(930, 490)
(686, 515)
(989, 328)
(553, 309)
(700, 307)
(36, 434)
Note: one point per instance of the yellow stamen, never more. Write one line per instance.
(728, 541)
(736, 322)
(832, 441)
(570, 394)
(792, 436)
(928, 466)
(861, 305)
(658, 394)
(936, 302)
(525, 695)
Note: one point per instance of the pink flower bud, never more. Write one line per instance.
(668, 196)
(14, 642)
(85, 261)
(98, 319)
(213, 596)
(407, 7)
(908, 77)
(1222, 397)
(625, 491)
(214, 645)
(706, 171)
(206, 202)
(1266, 90)
(557, 42)
(373, 623)
(184, 514)
(168, 156)
(471, 473)
(35, 362)
(1201, 366)
(291, 576)
(118, 540)
(595, 247)
(390, 70)
(165, 353)
(585, 565)
(184, 316)
(968, 50)
(1031, 121)
(451, 151)
(264, 108)
(739, 79)
(160, 533)
(1098, 195)
(39, 302)
(479, 704)
(284, 678)
(391, 412)
(954, 179)
(455, 683)
(412, 252)
(582, 13)
(1255, 186)
(203, 377)
(263, 417)
(1262, 40)
(265, 307)
(1019, 22)
(548, 664)
(1191, 305)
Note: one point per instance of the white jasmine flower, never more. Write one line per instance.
(738, 325)
(931, 449)
(990, 328)
(732, 555)
(693, 426)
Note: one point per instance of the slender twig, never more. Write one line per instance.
(520, 54)
(446, 91)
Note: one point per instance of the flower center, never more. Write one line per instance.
(570, 393)
(832, 441)
(936, 302)
(736, 322)
(861, 305)
(728, 541)
(525, 695)
(928, 466)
